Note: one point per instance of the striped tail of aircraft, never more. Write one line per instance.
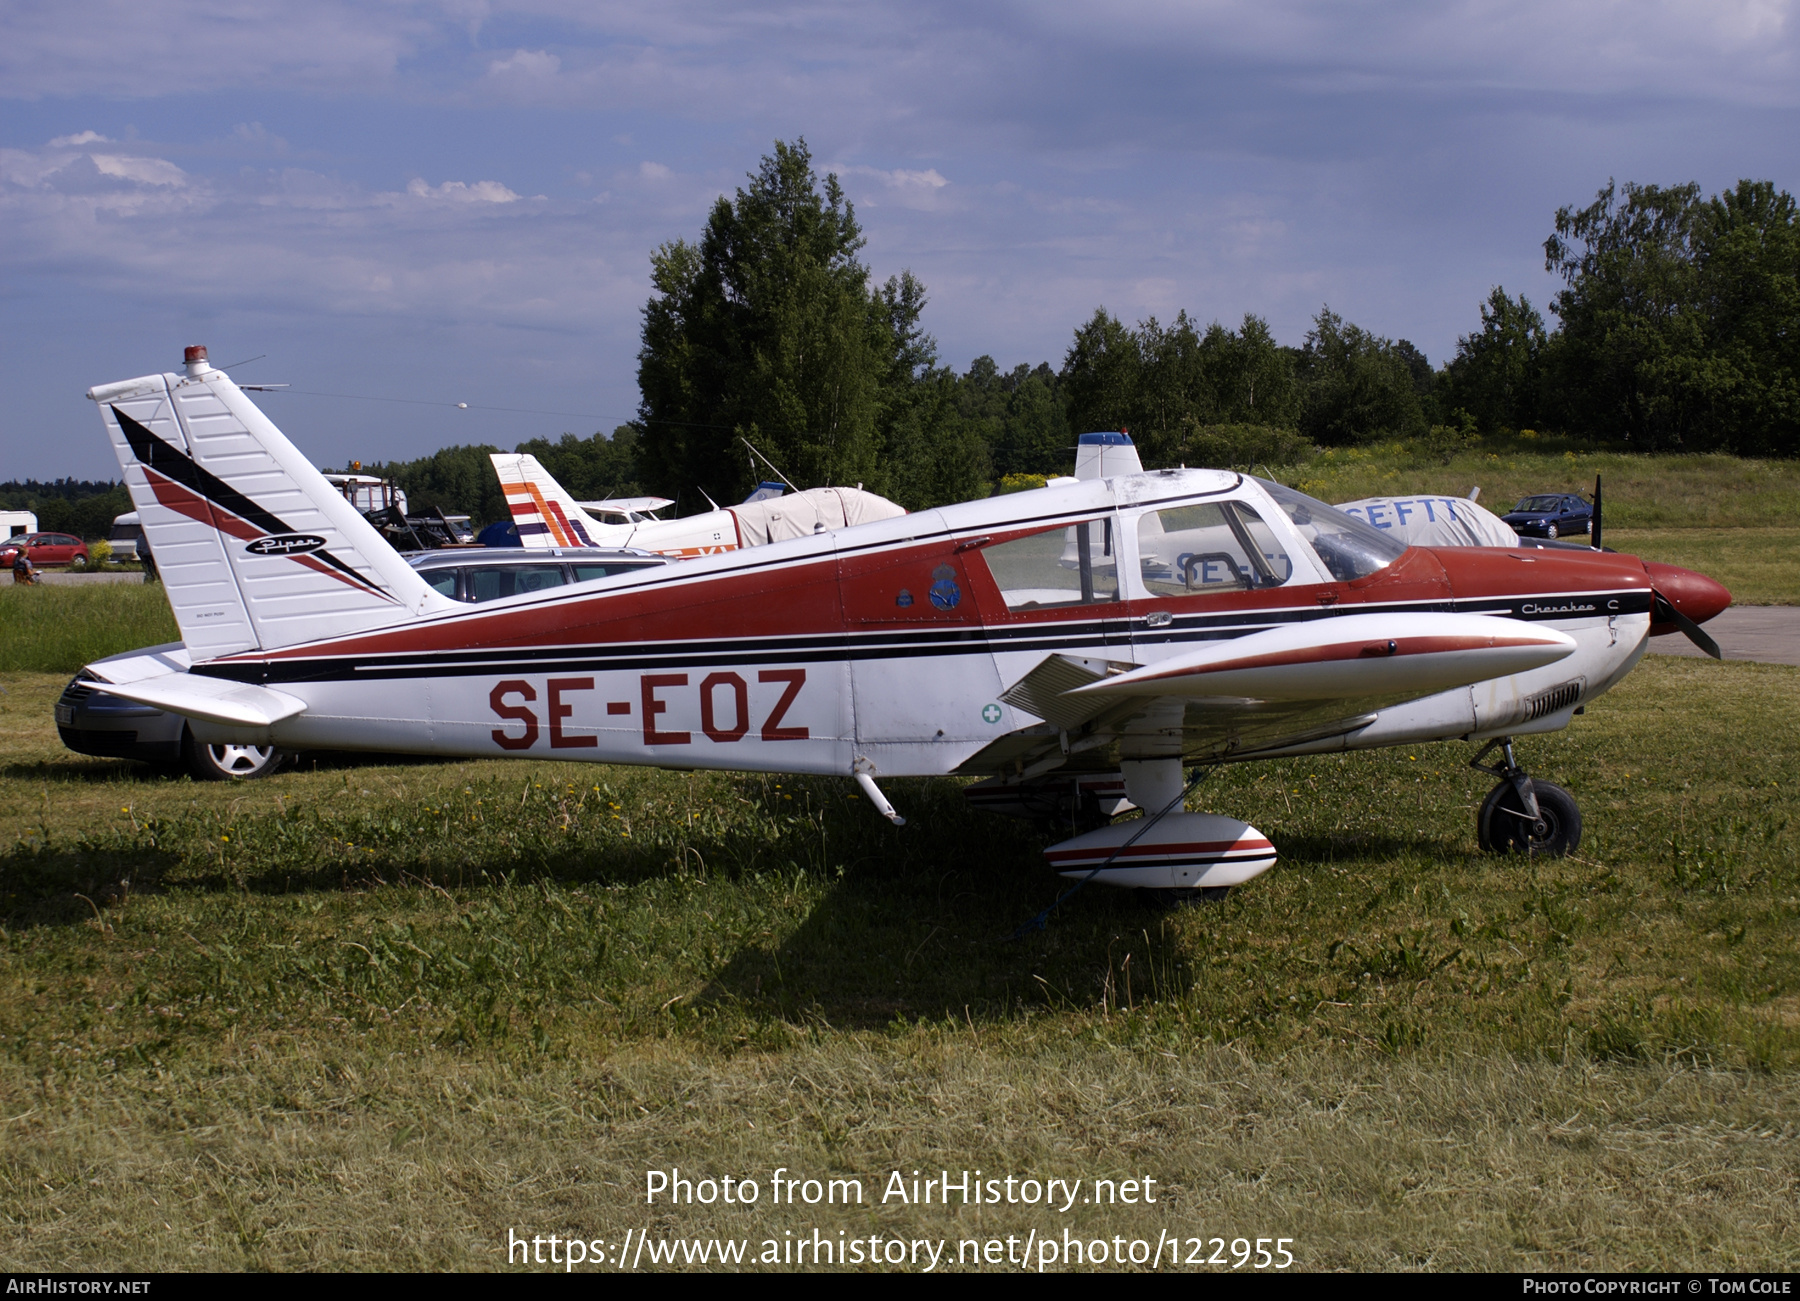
(546, 515)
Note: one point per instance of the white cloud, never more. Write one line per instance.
(83, 138)
(534, 64)
(144, 171)
(899, 178)
(458, 192)
(654, 171)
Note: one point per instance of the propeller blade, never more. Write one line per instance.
(1667, 613)
(1594, 541)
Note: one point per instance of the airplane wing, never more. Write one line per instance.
(1270, 690)
(215, 700)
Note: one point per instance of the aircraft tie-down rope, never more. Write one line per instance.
(1043, 919)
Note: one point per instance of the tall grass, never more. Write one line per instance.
(48, 629)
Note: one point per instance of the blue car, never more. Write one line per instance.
(1552, 515)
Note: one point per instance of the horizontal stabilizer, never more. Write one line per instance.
(1349, 657)
(214, 700)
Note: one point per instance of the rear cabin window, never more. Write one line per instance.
(492, 584)
(1075, 565)
(1209, 547)
(586, 573)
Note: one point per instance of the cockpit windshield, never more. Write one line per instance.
(1347, 546)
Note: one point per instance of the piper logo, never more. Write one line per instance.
(286, 544)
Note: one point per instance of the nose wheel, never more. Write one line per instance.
(1522, 815)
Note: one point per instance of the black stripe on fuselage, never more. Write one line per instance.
(1086, 635)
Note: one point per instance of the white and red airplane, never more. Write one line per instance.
(1075, 646)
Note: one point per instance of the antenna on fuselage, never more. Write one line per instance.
(766, 461)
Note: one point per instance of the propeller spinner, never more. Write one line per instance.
(1684, 601)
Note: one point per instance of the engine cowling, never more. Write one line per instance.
(1183, 851)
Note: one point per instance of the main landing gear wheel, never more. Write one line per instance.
(217, 763)
(1522, 815)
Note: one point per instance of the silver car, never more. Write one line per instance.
(92, 722)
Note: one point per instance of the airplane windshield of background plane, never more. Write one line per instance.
(1348, 547)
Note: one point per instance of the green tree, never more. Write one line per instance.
(1358, 386)
(937, 450)
(1035, 437)
(1252, 376)
(1633, 338)
(1100, 374)
(592, 468)
(768, 328)
(1748, 389)
(1164, 381)
(1496, 375)
(456, 480)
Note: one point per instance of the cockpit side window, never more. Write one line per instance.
(1215, 546)
(1073, 565)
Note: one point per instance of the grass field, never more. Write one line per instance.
(375, 1016)
(1642, 491)
(58, 629)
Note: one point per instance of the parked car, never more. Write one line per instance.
(47, 551)
(1551, 515)
(92, 722)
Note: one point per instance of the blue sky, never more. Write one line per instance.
(442, 201)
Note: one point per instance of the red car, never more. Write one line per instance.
(47, 551)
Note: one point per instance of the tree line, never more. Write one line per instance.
(84, 507)
(1677, 328)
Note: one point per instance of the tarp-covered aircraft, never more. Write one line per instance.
(1069, 645)
(547, 516)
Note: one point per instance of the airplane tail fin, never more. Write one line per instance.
(1102, 456)
(547, 516)
(256, 551)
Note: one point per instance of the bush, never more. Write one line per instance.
(100, 553)
(1018, 483)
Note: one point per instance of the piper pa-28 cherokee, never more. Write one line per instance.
(1074, 646)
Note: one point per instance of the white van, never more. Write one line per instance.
(125, 535)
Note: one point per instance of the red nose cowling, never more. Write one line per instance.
(1695, 595)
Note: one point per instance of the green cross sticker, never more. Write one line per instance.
(990, 713)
